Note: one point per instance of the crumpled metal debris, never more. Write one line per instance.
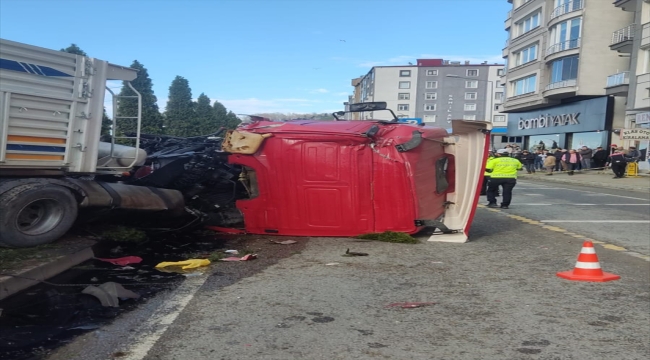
(109, 293)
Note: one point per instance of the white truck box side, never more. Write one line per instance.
(51, 107)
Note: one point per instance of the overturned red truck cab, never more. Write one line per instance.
(346, 178)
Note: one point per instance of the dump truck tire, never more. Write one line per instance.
(35, 214)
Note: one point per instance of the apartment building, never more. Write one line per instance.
(557, 60)
(633, 82)
(435, 91)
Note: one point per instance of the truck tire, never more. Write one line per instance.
(35, 214)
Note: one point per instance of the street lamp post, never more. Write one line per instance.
(490, 93)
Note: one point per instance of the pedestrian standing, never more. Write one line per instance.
(528, 159)
(549, 164)
(540, 155)
(585, 157)
(503, 172)
(633, 154)
(558, 159)
(600, 158)
(618, 162)
(486, 174)
(572, 160)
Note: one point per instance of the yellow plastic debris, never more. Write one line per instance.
(186, 264)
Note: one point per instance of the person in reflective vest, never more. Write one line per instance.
(486, 175)
(503, 172)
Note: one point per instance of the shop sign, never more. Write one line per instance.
(548, 120)
(635, 134)
(642, 118)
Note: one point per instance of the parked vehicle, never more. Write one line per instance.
(301, 178)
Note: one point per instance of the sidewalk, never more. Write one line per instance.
(593, 178)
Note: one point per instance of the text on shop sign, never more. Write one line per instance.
(635, 134)
(544, 121)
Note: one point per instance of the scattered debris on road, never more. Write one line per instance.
(409, 305)
(390, 236)
(352, 253)
(286, 242)
(185, 264)
(109, 293)
(123, 261)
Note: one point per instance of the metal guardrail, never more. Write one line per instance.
(561, 84)
(622, 78)
(624, 34)
(564, 45)
(566, 8)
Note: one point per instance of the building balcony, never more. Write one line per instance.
(625, 5)
(567, 8)
(622, 39)
(508, 23)
(645, 37)
(561, 89)
(557, 50)
(618, 84)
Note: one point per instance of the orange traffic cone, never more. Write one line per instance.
(587, 267)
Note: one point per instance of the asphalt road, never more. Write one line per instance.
(614, 216)
(496, 297)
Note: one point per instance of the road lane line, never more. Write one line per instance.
(164, 316)
(593, 193)
(598, 221)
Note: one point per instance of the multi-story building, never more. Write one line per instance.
(557, 61)
(633, 82)
(436, 91)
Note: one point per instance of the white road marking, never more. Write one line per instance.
(571, 204)
(598, 221)
(590, 193)
(164, 316)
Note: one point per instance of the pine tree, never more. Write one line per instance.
(74, 49)
(152, 119)
(224, 117)
(179, 113)
(205, 117)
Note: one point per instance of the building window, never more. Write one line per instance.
(496, 107)
(564, 69)
(501, 72)
(431, 84)
(404, 96)
(526, 55)
(528, 24)
(469, 117)
(499, 84)
(430, 96)
(565, 36)
(429, 118)
(470, 107)
(472, 84)
(429, 107)
(404, 84)
(405, 73)
(525, 85)
(471, 72)
(403, 107)
(499, 118)
(470, 96)
(432, 72)
(498, 96)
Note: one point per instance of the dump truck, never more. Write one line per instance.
(298, 178)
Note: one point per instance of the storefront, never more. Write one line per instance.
(567, 126)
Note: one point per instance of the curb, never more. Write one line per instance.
(585, 183)
(10, 285)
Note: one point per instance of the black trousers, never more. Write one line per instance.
(598, 163)
(493, 189)
(618, 169)
(484, 185)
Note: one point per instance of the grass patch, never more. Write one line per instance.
(390, 236)
(10, 257)
(216, 256)
(124, 234)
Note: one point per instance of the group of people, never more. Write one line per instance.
(572, 160)
(503, 165)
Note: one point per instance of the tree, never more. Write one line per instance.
(224, 117)
(152, 119)
(179, 113)
(204, 116)
(74, 49)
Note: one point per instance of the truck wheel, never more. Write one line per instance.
(35, 214)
